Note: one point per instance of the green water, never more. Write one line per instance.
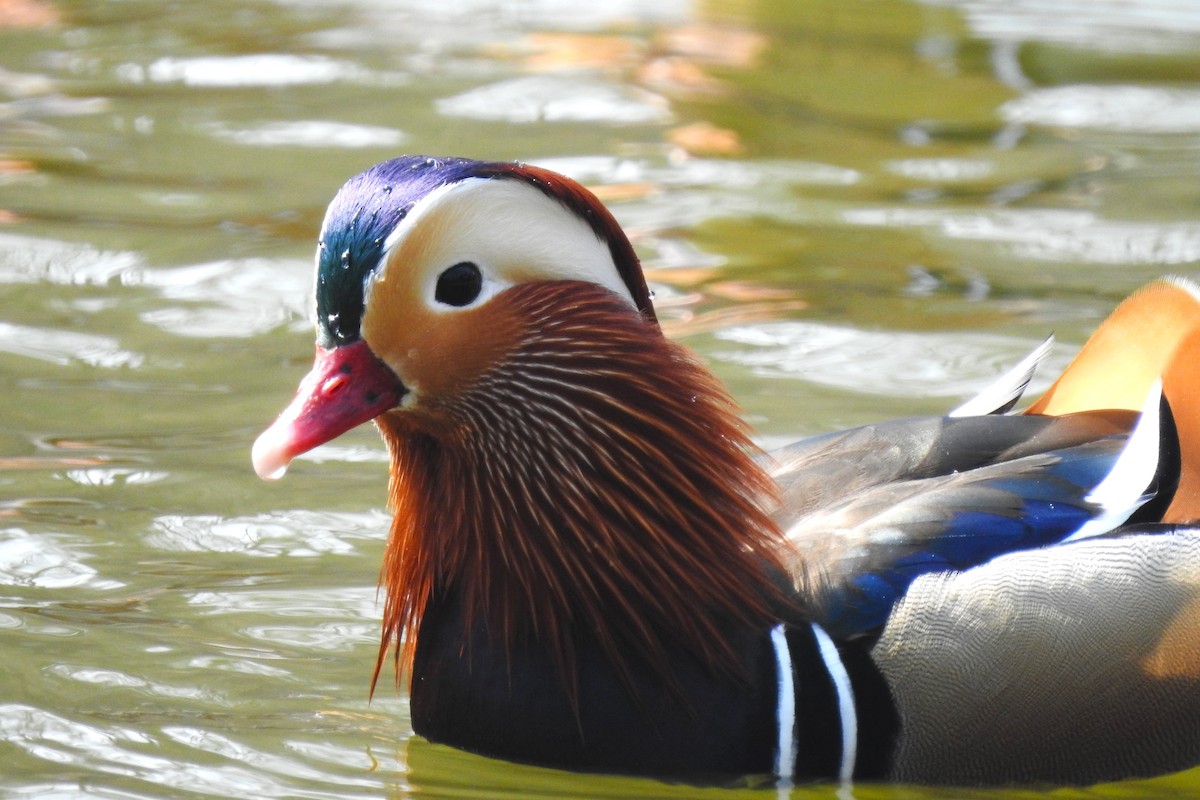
(853, 210)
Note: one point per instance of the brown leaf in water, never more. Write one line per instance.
(681, 276)
(678, 75)
(43, 463)
(748, 291)
(715, 44)
(27, 14)
(615, 192)
(558, 51)
(704, 138)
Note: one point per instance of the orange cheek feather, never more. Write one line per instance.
(439, 358)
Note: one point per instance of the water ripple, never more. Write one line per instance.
(225, 747)
(121, 750)
(891, 363)
(30, 259)
(943, 169)
(1115, 26)
(700, 172)
(64, 347)
(550, 98)
(348, 602)
(1145, 109)
(242, 666)
(266, 69)
(1053, 235)
(181, 758)
(325, 636)
(307, 133)
(32, 560)
(228, 298)
(116, 679)
(333, 620)
(299, 534)
(114, 477)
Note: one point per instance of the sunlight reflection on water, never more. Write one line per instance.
(46, 562)
(557, 99)
(298, 534)
(1055, 235)
(62, 347)
(952, 365)
(1115, 108)
(267, 69)
(847, 207)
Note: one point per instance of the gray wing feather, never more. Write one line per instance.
(815, 473)
(854, 501)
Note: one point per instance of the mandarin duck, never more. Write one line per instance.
(592, 566)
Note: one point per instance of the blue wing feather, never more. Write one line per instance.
(864, 549)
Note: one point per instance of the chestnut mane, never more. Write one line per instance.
(596, 479)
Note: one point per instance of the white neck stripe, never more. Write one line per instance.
(845, 697)
(785, 757)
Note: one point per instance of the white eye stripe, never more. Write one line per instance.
(511, 230)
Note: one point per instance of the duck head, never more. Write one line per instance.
(410, 255)
(556, 461)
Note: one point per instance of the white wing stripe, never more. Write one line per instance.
(1123, 490)
(1006, 389)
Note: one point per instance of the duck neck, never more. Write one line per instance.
(596, 482)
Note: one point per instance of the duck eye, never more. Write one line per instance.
(459, 285)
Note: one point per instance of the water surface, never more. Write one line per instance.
(853, 210)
